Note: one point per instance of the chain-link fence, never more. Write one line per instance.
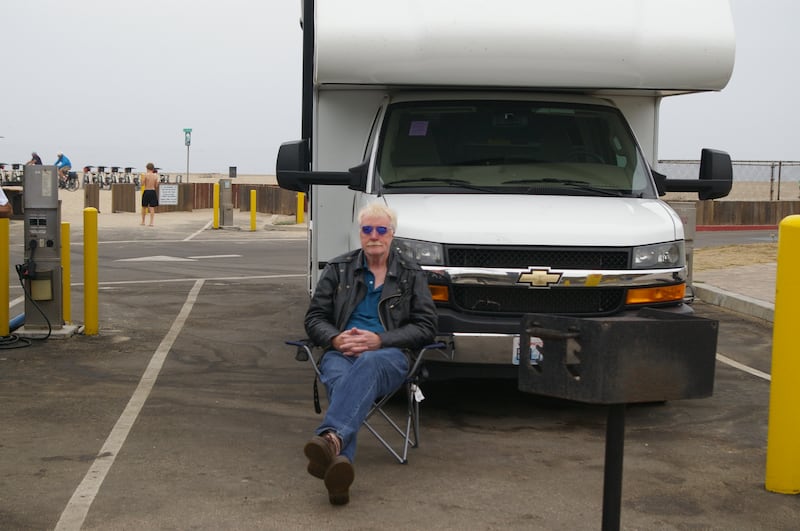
(753, 180)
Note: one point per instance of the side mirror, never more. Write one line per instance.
(292, 162)
(358, 177)
(716, 177)
(292, 170)
(716, 169)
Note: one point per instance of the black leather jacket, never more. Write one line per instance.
(406, 308)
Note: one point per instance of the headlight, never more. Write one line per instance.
(669, 254)
(425, 253)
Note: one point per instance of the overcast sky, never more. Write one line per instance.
(115, 83)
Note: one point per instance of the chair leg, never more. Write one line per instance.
(413, 413)
(402, 459)
(411, 425)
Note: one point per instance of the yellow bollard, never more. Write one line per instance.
(252, 210)
(5, 250)
(216, 205)
(90, 273)
(66, 274)
(783, 433)
(301, 207)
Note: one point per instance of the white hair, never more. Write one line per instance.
(378, 209)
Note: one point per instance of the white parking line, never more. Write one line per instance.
(742, 367)
(192, 236)
(78, 507)
(18, 300)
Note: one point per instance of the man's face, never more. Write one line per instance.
(374, 244)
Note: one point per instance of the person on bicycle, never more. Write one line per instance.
(63, 165)
(36, 160)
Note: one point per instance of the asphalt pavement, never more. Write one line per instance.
(187, 411)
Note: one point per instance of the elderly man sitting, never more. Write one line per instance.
(368, 306)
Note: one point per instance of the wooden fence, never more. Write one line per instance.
(755, 213)
(270, 199)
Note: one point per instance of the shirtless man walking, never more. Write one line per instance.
(150, 193)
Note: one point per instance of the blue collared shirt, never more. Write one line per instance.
(365, 316)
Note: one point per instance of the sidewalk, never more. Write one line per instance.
(72, 212)
(746, 289)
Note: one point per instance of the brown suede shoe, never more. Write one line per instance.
(338, 478)
(320, 451)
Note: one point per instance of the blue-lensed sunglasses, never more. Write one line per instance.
(380, 229)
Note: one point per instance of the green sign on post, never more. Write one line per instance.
(187, 133)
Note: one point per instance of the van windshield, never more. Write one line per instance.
(510, 147)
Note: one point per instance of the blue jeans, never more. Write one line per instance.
(353, 385)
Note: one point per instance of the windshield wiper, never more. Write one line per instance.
(581, 185)
(456, 183)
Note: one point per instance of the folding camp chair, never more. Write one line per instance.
(410, 434)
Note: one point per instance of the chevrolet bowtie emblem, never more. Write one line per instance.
(539, 278)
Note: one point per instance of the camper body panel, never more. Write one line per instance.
(670, 46)
(342, 123)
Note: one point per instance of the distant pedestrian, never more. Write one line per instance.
(149, 192)
(36, 160)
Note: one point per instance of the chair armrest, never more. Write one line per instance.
(303, 349)
(418, 358)
(305, 352)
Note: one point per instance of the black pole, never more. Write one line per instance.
(306, 124)
(612, 480)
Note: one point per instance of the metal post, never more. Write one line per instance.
(301, 208)
(771, 179)
(91, 303)
(783, 435)
(780, 165)
(66, 274)
(252, 210)
(5, 253)
(215, 217)
(187, 139)
(612, 475)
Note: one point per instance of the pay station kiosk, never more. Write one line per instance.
(41, 270)
(225, 203)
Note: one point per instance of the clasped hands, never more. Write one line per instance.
(354, 342)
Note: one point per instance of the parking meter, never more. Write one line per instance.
(225, 203)
(41, 270)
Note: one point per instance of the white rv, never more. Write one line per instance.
(517, 142)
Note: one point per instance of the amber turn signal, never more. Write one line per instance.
(656, 295)
(440, 293)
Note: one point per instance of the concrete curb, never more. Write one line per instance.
(729, 228)
(734, 301)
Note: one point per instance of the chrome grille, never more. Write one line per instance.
(556, 258)
(519, 300)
